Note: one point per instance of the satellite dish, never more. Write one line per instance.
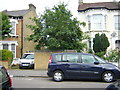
(113, 34)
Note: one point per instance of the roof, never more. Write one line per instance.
(17, 12)
(99, 5)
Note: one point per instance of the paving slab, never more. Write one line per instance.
(27, 73)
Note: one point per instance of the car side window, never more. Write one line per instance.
(58, 58)
(72, 58)
(88, 59)
(0, 76)
(4, 75)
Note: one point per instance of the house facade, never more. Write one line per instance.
(17, 42)
(102, 17)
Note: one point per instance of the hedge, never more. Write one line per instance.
(6, 55)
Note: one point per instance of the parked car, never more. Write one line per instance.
(81, 66)
(114, 86)
(27, 61)
(5, 80)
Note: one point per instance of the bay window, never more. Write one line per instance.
(96, 22)
(9, 45)
(117, 22)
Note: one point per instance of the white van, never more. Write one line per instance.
(27, 61)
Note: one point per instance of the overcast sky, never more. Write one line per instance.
(42, 4)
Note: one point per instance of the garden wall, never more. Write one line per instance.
(42, 58)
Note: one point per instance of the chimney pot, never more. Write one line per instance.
(32, 7)
(80, 2)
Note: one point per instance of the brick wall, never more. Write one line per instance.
(42, 58)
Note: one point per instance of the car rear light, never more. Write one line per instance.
(50, 60)
(10, 81)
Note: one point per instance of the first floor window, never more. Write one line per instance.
(13, 28)
(117, 22)
(96, 22)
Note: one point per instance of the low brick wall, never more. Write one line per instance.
(42, 58)
(5, 64)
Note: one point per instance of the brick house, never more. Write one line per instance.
(17, 42)
(101, 17)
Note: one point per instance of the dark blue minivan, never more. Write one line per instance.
(81, 66)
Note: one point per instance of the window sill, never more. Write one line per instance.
(13, 36)
(97, 31)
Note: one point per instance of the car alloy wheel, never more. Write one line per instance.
(108, 76)
(58, 76)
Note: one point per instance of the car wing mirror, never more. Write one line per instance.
(96, 63)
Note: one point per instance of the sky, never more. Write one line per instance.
(42, 4)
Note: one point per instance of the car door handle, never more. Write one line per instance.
(66, 65)
(83, 66)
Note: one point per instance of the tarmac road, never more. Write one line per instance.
(32, 82)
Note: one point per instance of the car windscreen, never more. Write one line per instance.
(28, 56)
(100, 60)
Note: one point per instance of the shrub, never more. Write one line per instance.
(100, 54)
(113, 56)
(90, 51)
(6, 55)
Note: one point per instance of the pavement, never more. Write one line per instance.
(27, 73)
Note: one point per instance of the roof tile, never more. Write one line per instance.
(106, 5)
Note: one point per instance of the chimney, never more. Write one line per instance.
(32, 7)
(114, 0)
(80, 2)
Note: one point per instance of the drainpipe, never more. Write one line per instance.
(22, 37)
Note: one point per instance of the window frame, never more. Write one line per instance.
(92, 24)
(117, 22)
(13, 29)
(86, 56)
(9, 43)
(62, 55)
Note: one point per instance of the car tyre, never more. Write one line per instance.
(20, 67)
(58, 76)
(108, 76)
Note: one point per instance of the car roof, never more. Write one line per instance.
(72, 53)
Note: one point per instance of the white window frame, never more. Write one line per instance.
(16, 22)
(9, 45)
(103, 23)
(118, 22)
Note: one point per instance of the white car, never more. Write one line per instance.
(27, 61)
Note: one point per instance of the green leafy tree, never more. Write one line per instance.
(57, 29)
(5, 25)
(101, 43)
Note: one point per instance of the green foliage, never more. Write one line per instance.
(100, 54)
(90, 51)
(101, 43)
(6, 55)
(5, 25)
(56, 29)
(113, 56)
